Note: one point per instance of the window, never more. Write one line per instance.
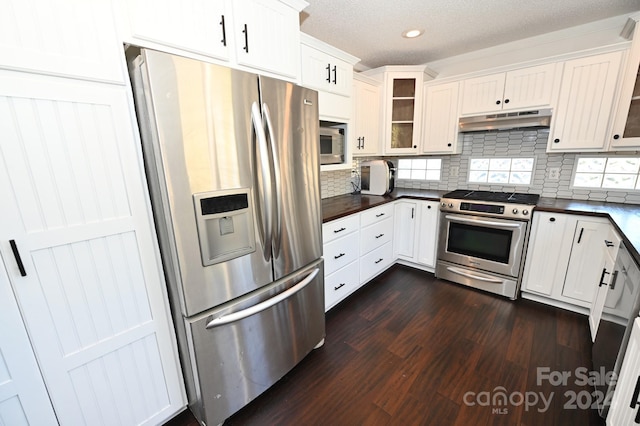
(419, 168)
(607, 173)
(511, 171)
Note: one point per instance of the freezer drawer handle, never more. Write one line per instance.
(472, 276)
(237, 316)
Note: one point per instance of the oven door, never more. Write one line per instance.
(490, 244)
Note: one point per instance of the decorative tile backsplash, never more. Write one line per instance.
(514, 143)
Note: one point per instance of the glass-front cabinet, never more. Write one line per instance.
(625, 132)
(402, 105)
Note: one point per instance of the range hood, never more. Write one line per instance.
(506, 120)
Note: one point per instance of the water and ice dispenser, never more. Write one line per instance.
(225, 224)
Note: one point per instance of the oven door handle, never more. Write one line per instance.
(475, 277)
(483, 222)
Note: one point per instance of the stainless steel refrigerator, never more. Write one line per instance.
(232, 163)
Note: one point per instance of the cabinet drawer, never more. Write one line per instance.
(339, 252)
(373, 263)
(340, 284)
(339, 227)
(376, 214)
(373, 236)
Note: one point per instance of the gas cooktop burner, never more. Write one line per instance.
(501, 197)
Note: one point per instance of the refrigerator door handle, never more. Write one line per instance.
(265, 194)
(277, 232)
(237, 316)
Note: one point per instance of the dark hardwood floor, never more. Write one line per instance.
(408, 349)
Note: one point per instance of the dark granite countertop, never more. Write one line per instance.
(625, 217)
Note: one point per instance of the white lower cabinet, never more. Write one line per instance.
(624, 405)
(564, 259)
(340, 284)
(416, 231)
(340, 252)
(76, 237)
(376, 261)
(609, 248)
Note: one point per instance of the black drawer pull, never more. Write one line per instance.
(552, 219)
(634, 399)
(340, 286)
(335, 231)
(338, 256)
(608, 243)
(380, 215)
(16, 254)
(580, 236)
(246, 39)
(379, 260)
(604, 272)
(379, 236)
(614, 278)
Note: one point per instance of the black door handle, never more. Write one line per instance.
(604, 272)
(634, 399)
(16, 254)
(224, 32)
(328, 68)
(580, 236)
(335, 74)
(246, 38)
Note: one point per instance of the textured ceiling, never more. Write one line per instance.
(371, 29)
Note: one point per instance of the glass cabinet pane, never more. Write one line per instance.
(402, 110)
(401, 135)
(632, 128)
(404, 87)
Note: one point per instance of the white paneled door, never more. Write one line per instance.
(91, 294)
(23, 397)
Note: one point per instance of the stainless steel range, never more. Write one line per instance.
(482, 239)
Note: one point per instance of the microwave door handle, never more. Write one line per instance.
(265, 194)
(483, 222)
(237, 316)
(277, 233)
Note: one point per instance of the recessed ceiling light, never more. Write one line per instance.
(412, 33)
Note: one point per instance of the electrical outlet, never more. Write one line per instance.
(554, 173)
(453, 172)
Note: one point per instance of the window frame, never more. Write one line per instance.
(572, 185)
(532, 171)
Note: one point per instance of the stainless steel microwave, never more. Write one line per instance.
(331, 145)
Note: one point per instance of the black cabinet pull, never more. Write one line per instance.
(338, 256)
(614, 278)
(224, 31)
(246, 38)
(379, 215)
(552, 219)
(634, 399)
(328, 68)
(335, 74)
(497, 102)
(412, 212)
(604, 272)
(379, 236)
(339, 286)
(506, 101)
(335, 231)
(580, 236)
(428, 207)
(608, 243)
(556, 140)
(379, 260)
(448, 144)
(363, 142)
(616, 137)
(16, 254)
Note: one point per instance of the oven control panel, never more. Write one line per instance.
(507, 211)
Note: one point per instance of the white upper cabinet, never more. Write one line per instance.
(365, 137)
(522, 88)
(197, 26)
(92, 294)
(581, 119)
(440, 119)
(625, 133)
(260, 35)
(72, 38)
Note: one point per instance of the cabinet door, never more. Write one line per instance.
(404, 232)
(92, 293)
(23, 397)
(584, 267)
(428, 234)
(404, 100)
(482, 94)
(529, 87)
(325, 72)
(585, 102)
(366, 113)
(198, 26)
(548, 252)
(267, 36)
(440, 119)
(609, 249)
(69, 37)
(624, 406)
(625, 133)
